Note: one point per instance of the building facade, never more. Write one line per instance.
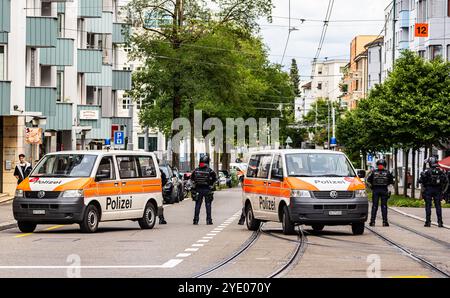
(375, 62)
(59, 71)
(354, 83)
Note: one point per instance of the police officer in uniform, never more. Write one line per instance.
(434, 181)
(204, 179)
(379, 180)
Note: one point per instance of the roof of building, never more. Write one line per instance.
(307, 85)
(376, 42)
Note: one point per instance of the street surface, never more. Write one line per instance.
(179, 249)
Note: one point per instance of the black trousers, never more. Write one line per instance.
(203, 194)
(430, 195)
(383, 195)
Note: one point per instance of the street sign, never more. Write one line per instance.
(421, 30)
(369, 158)
(119, 138)
(288, 140)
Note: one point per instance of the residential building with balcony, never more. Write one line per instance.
(375, 62)
(59, 70)
(354, 81)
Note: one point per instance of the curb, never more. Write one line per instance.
(7, 226)
(6, 200)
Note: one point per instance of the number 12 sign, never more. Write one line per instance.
(421, 30)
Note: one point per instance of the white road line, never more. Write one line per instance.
(203, 241)
(211, 234)
(414, 216)
(197, 244)
(191, 249)
(214, 231)
(208, 237)
(182, 255)
(169, 264)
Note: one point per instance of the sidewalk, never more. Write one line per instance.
(6, 216)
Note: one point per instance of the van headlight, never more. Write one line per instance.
(19, 193)
(296, 193)
(360, 193)
(76, 193)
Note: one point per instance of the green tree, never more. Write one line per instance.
(295, 78)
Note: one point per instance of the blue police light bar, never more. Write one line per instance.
(107, 142)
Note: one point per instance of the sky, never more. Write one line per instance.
(367, 18)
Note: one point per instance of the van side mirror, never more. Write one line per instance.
(362, 174)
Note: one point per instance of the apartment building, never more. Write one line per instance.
(355, 78)
(59, 71)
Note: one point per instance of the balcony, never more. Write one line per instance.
(41, 32)
(404, 19)
(120, 30)
(62, 119)
(61, 55)
(101, 133)
(3, 37)
(102, 79)
(89, 61)
(403, 45)
(41, 99)
(90, 8)
(5, 98)
(121, 80)
(5, 15)
(90, 115)
(103, 25)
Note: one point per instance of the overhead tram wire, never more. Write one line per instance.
(289, 34)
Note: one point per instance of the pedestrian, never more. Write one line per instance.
(162, 220)
(434, 181)
(204, 179)
(22, 170)
(379, 180)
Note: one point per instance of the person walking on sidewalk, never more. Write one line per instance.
(434, 182)
(22, 170)
(379, 180)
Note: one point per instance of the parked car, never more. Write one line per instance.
(173, 188)
(227, 177)
(187, 184)
(240, 168)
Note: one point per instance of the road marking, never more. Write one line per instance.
(207, 237)
(54, 228)
(182, 255)
(215, 231)
(203, 240)
(167, 265)
(410, 276)
(415, 216)
(191, 249)
(197, 244)
(23, 235)
(211, 234)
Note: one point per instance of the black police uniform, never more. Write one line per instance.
(162, 220)
(204, 179)
(379, 181)
(434, 181)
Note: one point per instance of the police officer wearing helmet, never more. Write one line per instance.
(434, 182)
(379, 180)
(204, 179)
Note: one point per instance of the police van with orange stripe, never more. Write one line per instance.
(86, 187)
(311, 187)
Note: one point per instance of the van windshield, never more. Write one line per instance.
(65, 165)
(318, 165)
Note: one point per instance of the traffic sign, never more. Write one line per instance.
(119, 138)
(421, 30)
(288, 140)
(369, 158)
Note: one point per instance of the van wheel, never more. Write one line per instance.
(149, 219)
(318, 227)
(288, 225)
(358, 228)
(90, 220)
(26, 227)
(253, 224)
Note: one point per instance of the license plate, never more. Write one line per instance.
(335, 212)
(39, 212)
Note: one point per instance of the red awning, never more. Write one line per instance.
(445, 163)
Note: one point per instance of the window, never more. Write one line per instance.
(65, 165)
(127, 167)
(106, 166)
(318, 165)
(59, 86)
(448, 8)
(152, 143)
(319, 86)
(422, 54)
(126, 102)
(435, 51)
(253, 166)
(448, 50)
(264, 166)
(147, 166)
(2, 63)
(277, 167)
(61, 25)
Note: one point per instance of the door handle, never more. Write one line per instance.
(124, 183)
(116, 183)
(269, 183)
